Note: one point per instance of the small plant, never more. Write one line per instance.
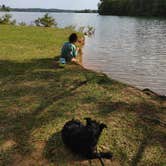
(81, 29)
(46, 21)
(87, 31)
(6, 19)
(90, 31)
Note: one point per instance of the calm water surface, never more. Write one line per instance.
(129, 49)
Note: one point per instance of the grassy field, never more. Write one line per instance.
(37, 98)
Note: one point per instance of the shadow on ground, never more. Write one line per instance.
(37, 93)
(56, 152)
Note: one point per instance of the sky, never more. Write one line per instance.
(59, 4)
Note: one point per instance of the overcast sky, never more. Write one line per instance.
(61, 4)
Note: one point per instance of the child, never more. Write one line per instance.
(69, 50)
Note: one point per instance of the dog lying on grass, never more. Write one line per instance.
(82, 139)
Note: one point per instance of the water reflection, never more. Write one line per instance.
(131, 50)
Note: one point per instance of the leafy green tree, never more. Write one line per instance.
(133, 7)
(46, 21)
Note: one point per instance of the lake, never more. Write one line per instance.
(128, 49)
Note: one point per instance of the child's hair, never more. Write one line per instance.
(73, 38)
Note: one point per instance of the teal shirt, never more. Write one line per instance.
(68, 51)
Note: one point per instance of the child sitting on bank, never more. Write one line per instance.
(69, 50)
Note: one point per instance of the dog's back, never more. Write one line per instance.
(71, 132)
(74, 136)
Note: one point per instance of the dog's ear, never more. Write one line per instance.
(102, 126)
(88, 121)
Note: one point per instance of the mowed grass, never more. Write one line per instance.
(37, 98)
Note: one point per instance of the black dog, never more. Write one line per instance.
(83, 139)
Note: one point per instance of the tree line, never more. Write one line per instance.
(6, 8)
(132, 7)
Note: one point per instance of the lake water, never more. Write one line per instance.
(129, 49)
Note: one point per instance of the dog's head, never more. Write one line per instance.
(94, 124)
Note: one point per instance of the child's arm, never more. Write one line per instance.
(74, 51)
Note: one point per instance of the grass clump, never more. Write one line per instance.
(37, 98)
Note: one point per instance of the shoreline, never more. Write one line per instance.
(145, 90)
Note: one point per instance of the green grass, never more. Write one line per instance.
(37, 98)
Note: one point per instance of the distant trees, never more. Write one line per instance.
(4, 8)
(85, 11)
(46, 21)
(133, 7)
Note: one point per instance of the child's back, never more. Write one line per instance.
(69, 50)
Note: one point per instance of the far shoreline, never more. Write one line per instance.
(50, 10)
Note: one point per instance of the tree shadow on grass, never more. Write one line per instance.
(19, 125)
(106, 108)
(149, 120)
(14, 68)
(56, 152)
(151, 137)
(146, 120)
(60, 85)
(139, 154)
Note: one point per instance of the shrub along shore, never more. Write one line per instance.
(37, 98)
